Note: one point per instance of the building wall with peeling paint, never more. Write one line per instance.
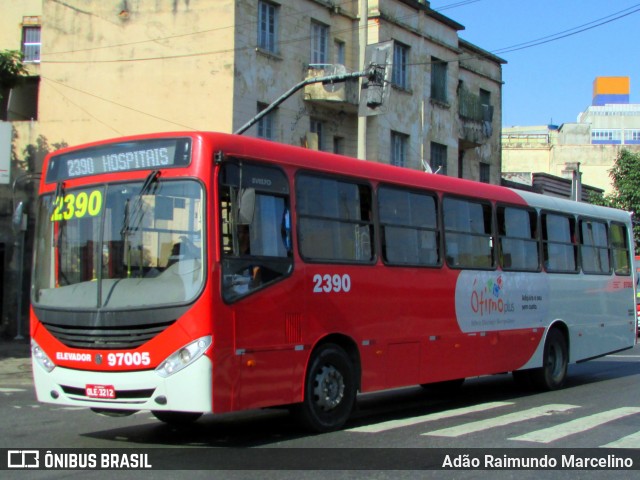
(123, 67)
(135, 66)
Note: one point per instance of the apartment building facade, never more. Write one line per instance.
(99, 70)
(591, 144)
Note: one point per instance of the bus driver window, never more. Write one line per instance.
(256, 230)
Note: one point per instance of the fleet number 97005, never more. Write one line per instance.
(128, 359)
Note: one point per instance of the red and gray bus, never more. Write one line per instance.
(191, 273)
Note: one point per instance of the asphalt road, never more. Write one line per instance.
(599, 409)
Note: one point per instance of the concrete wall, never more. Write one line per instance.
(119, 68)
(123, 67)
(530, 150)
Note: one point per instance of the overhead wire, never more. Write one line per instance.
(550, 38)
(119, 104)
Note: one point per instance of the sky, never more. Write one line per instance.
(552, 83)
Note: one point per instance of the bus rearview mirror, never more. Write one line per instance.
(18, 221)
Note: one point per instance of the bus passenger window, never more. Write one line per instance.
(518, 241)
(620, 249)
(409, 228)
(594, 247)
(468, 238)
(559, 245)
(340, 227)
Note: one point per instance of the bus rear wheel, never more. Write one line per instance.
(555, 361)
(329, 390)
(176, 418)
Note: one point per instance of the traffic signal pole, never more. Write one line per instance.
(375, 73)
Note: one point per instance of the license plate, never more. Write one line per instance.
(100, 391)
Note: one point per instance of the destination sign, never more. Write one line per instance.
(120, 157)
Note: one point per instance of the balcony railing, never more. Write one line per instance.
(471, 107)
(476, 118)
(340, 95)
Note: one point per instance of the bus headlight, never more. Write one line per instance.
(184, 357)
(41, 358)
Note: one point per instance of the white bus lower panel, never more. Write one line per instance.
(188, 390)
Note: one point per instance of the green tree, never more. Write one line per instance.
(625, 176)
(12, 68)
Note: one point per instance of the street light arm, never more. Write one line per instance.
(309, 81)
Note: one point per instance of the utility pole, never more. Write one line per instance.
(363, 25)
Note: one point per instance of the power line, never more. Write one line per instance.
(456, 5)
(217, 52)
(119, 104)
(209, 30)
(573, 31)
(187, 34)
(570, 32)
(83, 109)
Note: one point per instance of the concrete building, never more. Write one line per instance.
(591, 144)
(108, 69)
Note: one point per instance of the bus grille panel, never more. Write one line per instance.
(108, 338)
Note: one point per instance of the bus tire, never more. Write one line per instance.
(555, 361)
(329, 390)
(176, 418)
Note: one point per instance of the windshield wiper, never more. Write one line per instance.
(133, 217)
(56, 208)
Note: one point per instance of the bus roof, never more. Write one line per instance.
(232, 145)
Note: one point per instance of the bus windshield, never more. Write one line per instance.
(120, 246)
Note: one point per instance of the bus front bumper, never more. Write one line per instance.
(189, 390)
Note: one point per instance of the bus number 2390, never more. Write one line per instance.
(331, 283)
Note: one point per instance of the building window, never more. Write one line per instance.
(399, 149)
(319, 43)
(438, 158)
(340, 55)
(612, 136)
(266, 123)
(31, 44)
(267, 26)
(338, 145)
(399, 76)
(317, 126)
(438, 79)
(485, 172)
(632, 136)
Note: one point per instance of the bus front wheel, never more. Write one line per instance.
(329, 390)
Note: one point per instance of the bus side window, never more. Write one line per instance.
(468, 233)
(517, 239)
(594, 247)
(619, 239)
(559, 246)
(409, 227)
(334, 219)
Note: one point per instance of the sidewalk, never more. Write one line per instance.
(14, 348)
(15, 362)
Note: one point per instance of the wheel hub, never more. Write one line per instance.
(329, 389)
